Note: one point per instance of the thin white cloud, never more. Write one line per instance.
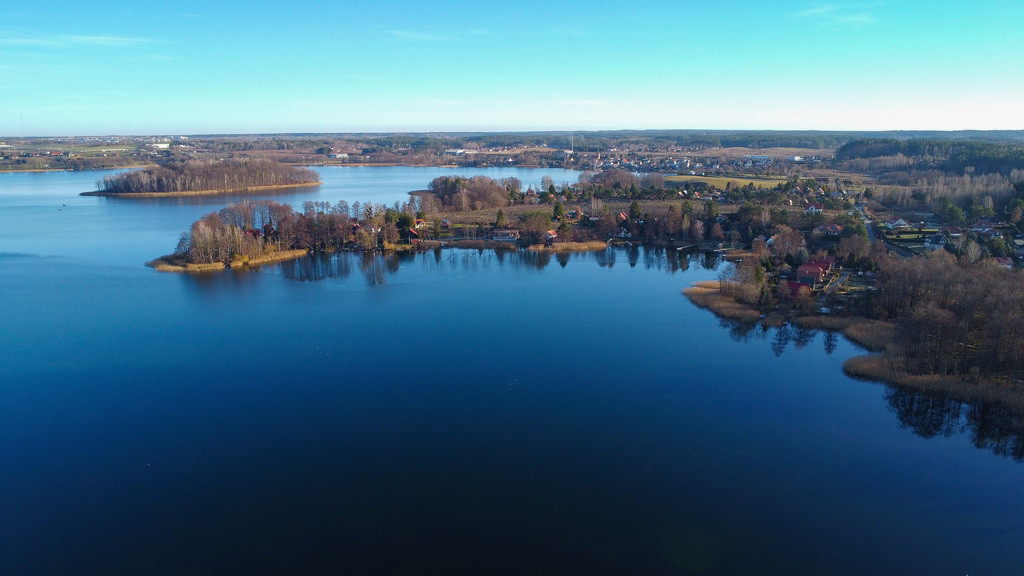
(816, 11)
(525, 102)
(67, 41)
(414, 36)
(161, 58)
(582, 102)
(857, 19)
(835, 15)
(107, 41)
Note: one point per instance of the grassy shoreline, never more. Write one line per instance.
(873, 335)
(169, 264)
(569, 247)
(247, 190)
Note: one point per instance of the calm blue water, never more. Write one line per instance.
(43, 213)
(455, 412)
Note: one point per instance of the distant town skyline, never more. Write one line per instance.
(95, 68)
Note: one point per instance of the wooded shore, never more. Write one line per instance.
(876, 336)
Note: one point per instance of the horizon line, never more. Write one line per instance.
(513, 131)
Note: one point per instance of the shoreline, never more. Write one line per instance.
(876, 337)
(558, 247)
(98, 169)
(163, 264)
(30, 170)
(250, 189)
(169, 264)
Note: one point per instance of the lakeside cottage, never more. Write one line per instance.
(830, 230)
(814, 271)
(505, 234)
(1004, 262)
(897, 224)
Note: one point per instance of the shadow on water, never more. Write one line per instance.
(317, 267)
(927, 414)
(780, 337)
(930, 414)
(213, 199)
(376, 267)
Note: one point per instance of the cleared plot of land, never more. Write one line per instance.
(723, 181)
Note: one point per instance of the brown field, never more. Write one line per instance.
(723, 181)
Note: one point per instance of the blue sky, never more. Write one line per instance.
(140, 67)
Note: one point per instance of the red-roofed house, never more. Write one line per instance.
(1004, 262)
(829, 230)
(814, 271)
(795, 288)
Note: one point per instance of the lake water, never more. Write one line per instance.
(457, 412)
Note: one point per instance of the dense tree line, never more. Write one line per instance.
(476, 193)
(954, 156)
(189, 175)
(253, 228)
(954, 316)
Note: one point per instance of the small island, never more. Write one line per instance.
(204, 177)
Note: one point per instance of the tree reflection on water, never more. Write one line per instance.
(376, 267)
(929, 414)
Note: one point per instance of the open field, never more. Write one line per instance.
(723, 181)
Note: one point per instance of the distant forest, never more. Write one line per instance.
(194, 175)
(956, 156)
(598, 141)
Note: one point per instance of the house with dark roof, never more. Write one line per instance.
(505, 234)
(935, 242)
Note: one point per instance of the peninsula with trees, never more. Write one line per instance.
(911, 245)
(201, 177)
